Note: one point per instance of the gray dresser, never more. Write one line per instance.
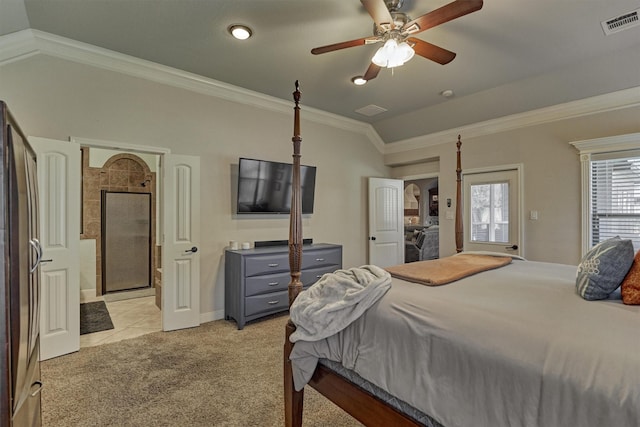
(256, 280)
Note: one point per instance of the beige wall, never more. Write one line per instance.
(551, 173)
(57, 99)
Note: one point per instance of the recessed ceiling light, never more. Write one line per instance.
(241, 32)
(358, 80)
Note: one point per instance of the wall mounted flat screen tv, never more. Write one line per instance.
(265, 187)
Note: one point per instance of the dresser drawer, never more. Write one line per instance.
(311, 276)
(266, 264)
(267, 283)
(275, 301)
(322, 257)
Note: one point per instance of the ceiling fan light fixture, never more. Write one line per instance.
(240, 32)
(393, 54)
(405, 51)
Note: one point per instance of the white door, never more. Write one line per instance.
(492, 212)
(59, 193)
(180, 248)
(386, 222)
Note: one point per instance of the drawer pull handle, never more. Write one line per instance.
(319, 259)
(273, 283)
(272, 302)
(273, 265)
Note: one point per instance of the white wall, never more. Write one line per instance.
(58, 99)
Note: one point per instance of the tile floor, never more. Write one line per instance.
(131, 318)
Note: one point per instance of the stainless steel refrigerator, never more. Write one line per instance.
(20, 384)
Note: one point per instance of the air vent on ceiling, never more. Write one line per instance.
(621, 22)
(371, 110)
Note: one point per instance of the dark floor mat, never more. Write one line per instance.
(94, 317)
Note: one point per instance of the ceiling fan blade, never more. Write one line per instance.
(378, 11)
(444, 14)
(372, 72)
(431, 51)
(338, 46)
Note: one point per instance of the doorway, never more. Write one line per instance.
(119, 257)
(179, 211)
(421, 219)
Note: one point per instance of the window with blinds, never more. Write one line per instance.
(615, 197)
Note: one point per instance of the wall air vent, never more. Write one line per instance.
(371, 110)
(622, 22)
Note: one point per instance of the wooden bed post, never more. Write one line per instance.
(459, 230)
(293, 399)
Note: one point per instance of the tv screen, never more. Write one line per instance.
(265, 187)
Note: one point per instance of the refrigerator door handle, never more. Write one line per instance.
(38, 248)
(36, 388)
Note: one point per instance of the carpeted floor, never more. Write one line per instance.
(213, 375)
(94, 317)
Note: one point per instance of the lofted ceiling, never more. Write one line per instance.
(512, 55)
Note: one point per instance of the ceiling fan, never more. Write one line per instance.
(396, 30)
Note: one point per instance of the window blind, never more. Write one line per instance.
(615, 197)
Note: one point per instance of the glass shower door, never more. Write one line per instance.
(126, 241)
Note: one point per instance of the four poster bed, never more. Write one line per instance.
(512, 345)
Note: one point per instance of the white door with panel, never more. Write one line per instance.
(492, 212)
(386, 221)
(59, 190)
(180, 255)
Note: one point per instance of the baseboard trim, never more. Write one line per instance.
(211, 316)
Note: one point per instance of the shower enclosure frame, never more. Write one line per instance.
(104, 225)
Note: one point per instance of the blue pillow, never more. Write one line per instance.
(603, 268)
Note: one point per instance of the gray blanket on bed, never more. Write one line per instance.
(336, 300)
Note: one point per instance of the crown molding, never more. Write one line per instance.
(626, 98)
(625, 142)
(26, 43)
(17, 46)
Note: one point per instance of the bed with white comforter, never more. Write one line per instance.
(514, 346)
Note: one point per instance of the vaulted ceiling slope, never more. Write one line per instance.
(513, 56)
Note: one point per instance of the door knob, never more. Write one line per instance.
(372, 238)
(512, 247)
(193, 250)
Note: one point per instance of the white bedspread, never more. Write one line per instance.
(515, 346)
(336, 300)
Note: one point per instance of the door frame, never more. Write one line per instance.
(431, 175)
(519, 168)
